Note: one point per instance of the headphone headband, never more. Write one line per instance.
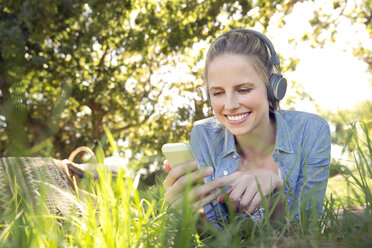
(274, 57)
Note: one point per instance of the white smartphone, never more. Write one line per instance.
(177, 153)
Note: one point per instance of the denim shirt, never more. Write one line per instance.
(302, 153)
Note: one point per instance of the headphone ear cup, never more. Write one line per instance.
(277, 88)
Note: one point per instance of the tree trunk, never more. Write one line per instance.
(97, 121)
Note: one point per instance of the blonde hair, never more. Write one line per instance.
(243, 44)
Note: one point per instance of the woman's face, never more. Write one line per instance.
(238, 95)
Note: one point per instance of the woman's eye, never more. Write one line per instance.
(217, 93)
(244, 90)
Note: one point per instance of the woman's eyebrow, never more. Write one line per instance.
(215, 88)
(245, 85)
(235, 86)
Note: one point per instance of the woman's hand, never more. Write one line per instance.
(245, 195)
(188, 175)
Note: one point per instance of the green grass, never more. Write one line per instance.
(345, 189)
(126, 217)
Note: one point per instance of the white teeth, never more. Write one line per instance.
(236, 117)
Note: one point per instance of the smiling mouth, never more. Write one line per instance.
(237, 117)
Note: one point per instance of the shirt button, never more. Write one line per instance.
(234, 156)
(225, 173)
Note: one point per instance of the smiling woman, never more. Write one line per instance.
(238, 95)
(255, 150)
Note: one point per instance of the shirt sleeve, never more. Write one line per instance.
(314, 170)
(214, 211)
(197, 143)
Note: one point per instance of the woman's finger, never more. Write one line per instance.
(193, 178)
(179, 171)
(255, 203)
(198, 198)
(246, 201)
(222, 198)
(201, 191)
(236, 195)
(226, 180)
(190, 179)
(252, 196)
(262, 195)
(207, 199)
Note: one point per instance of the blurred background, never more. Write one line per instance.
(70, 69)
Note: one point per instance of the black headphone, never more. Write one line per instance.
(277, 83)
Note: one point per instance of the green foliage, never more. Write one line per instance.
(69, 68)
(345, 124)
(91, 64)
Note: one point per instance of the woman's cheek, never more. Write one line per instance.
(217, 105)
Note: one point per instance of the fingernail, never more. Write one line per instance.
(167, 166)
(209, 170)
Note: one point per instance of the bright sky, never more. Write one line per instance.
(331, 75)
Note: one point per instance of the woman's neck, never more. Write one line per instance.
(259, 144)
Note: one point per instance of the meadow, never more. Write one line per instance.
(71, 69)
(124, 216)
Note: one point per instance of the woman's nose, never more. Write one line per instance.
(232, 102)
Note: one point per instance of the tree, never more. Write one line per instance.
(69, 68)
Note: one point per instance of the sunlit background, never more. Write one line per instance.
(331, 74)
(333, 77)
(137, 70)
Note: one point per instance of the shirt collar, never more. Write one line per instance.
(282, 138)
(282, 141)
(229, 146)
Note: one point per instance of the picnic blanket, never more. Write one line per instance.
(27, 180)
